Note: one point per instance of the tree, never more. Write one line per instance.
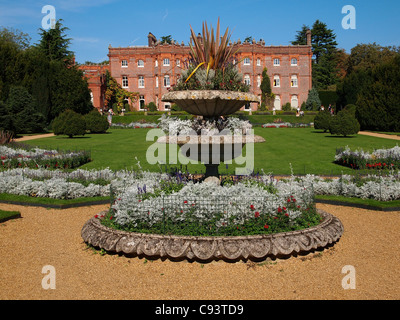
(322, 120)
(166, 39)
(325, 54)
(69, 123)
(377, 103)
(344, 123)
(265, 86)
(54, 44)
(313, 102)
(21, 109)
(95, 122)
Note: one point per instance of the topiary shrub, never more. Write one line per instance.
(344, 123)
(152, 107)
(69, 123)
(95, 122)
(322, 120)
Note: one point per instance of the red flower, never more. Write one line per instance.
(257, 214)
(96, 216)
(185, 202)
(266, 226)
(279, 210)
(252, 207)
(284, 208)
(111, 217)
(286, 215)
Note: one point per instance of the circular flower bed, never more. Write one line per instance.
(206, 221)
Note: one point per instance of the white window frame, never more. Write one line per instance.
(293, 64)
(140, 63)
(167, 106)
(277, 98)
(277, 62)
(156, 82)
(277, 81)
(141, 98)
(167, 81)
(141, 82)
(294, 81)
(178, 62)
(246, 61)
(166, 62)
(294, 98)
(156, 63)
(258, 81)
(124, 63)
(258, 62)
(247, 80)
(125, 82)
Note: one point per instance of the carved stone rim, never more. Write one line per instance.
(174, 96)
(233, 248)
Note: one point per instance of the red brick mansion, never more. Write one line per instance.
(150, 70)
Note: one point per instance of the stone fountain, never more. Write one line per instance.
(211, 150)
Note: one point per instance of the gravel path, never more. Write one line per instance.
(43, 237)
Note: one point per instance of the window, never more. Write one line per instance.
(125, 82)
(247, 79)
(178, 62)
(141, 102)
(167, 83)
(277, 62)
(246, 61)
(156, 82)
(293, 81)
(259, 62)
(156, 63)
(140, 63)
(166, 62)
(258, 81)
(293, 62)
(294, 102)
(124, 63)
(167, 106)
(247, 106)
(277, 102)
(277, 81)
(141, 82)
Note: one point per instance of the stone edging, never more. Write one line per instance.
(214, 248)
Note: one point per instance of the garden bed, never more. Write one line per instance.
(256, 247)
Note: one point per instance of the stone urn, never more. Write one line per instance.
(211, 104)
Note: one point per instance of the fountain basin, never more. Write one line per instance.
(210, 103)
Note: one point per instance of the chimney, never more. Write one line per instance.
(151, 40)
(308, 34)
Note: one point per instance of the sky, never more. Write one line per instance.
(96, 24)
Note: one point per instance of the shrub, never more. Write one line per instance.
(344, 123)
(287, 107)
(322, 120)
(152, 107)
(352, 108)
(69, 123)
(95, 122)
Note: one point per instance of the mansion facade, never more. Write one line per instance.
(151, 70)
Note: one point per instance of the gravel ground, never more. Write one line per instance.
(43, 237)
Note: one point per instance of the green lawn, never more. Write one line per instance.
(7, 215)
(307, 150)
